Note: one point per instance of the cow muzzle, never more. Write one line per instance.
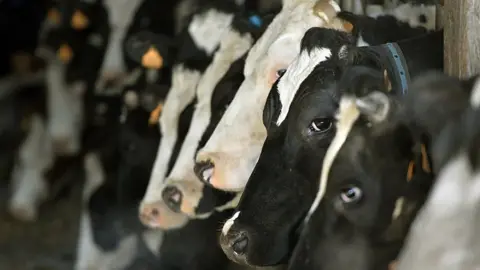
(235, 245)
(159, 216)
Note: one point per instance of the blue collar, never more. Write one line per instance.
(400, 77)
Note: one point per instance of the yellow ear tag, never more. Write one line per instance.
(79, 20)
(155, 114)
(324, 10)
(152, 59)
(53, 16)
(65, 53)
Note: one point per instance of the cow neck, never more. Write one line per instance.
(406, 59)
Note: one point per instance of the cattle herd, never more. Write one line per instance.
(245, 134)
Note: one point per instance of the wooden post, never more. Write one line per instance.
(462, 38)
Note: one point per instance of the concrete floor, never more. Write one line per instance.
(47, 244)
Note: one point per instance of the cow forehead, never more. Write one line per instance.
(296, 73)
(291, 23)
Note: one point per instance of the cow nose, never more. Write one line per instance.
(173, 198)
(235, 245)
(150, 215)
(204, 171)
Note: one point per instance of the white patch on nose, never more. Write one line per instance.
(229, 223)
(346, 117)
(475, 96)
(206, 29)
(296, 73)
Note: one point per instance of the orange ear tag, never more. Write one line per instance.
(53, 16)
(79, 20)
(348, 26)
(152, 59)
(65, 53)
(155, 114)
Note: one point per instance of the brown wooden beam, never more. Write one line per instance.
(462, 37)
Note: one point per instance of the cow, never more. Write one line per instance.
(299, 133)
(117, 174)
(182, 192)
(227, 159)
(196, 46)
(28, 183)
(390, 175)
(453, 199)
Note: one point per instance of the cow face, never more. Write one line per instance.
(230, 154)
(199, 41)
(369, 191)
(299, 117)
(221, 78)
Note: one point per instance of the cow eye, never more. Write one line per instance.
(321, 125)
(351, 194)
(280, 72)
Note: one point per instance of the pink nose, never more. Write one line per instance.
(150, 214)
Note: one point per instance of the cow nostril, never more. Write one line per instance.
(173, 198)
(240, 244)
(150, 215)
(204, 171)
(422, 18)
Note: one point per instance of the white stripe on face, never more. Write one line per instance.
(229, 223)
(346, 117)
(296, 73)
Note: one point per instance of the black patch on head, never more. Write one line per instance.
(222, 96)
(183, 125)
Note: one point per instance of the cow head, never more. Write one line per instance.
(299, 118)
(229, 156)
(374, 178)
(216, 89)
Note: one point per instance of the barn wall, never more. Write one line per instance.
(462, 37)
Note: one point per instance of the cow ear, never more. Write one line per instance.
(349, 20)
(375, 106)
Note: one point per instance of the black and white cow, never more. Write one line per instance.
(195, 48)
(233, 150)
(217, 87)
(453, 200)
(375, 200)
(299, 116)
(117, 174)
